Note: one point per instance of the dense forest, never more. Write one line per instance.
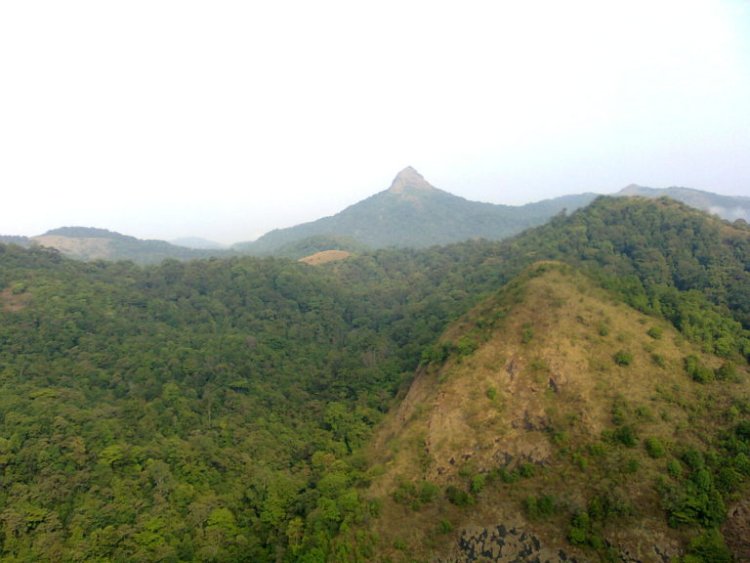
(218, 409)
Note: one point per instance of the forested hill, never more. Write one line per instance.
(413, 213)
(216, 410)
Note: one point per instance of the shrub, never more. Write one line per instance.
(625, 435)
(698, 371)
(413, 495)
(659, 360)
(507, 476)
(542, 507)
(623, 358)
(674, 468)
(654, 447)
(694, 459)
(655, 332)
(727, 371)
(709, 547)
(457, 496)
(527, 334)
(526, 470)
(466, 346)
(578, 534)
(445, 527)
(477, 483)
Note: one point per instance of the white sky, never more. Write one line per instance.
(226, 119)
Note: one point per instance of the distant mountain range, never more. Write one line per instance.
(88, 243)
(730, 208)
(411, 213)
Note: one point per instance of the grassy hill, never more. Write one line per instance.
(554, 421)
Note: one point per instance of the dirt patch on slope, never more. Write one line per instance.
(85, 248)
(325, 257)
(13, 302)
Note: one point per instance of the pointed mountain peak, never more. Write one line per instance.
(409, 178)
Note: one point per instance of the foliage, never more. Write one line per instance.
(217, 409)
(623, 358)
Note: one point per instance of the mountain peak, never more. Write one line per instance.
(409, 178)
(632, 189)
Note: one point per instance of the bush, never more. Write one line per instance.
(508, 476)
(626, 436)
(709, 548)
(623, 358)
(727, 372)
(542, 507)
(654, 447)
(655, 332)
(659, 360)
(413, 495)
(458, 497)
(477, 484)
(466, 346)
(527, 334)
(578, 534)
(698, 371)
(445, 527)
(526, 470)
(674, 468)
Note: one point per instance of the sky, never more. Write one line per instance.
(224, 120)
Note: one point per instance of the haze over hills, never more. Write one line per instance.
(727, 207)
(87, 243)
(413, 213)
(198, 243)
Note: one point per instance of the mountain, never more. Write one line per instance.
(230, 409)
(87, 243)
(730, 208)
(413, 213)
(555, 423)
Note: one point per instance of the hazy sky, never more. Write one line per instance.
(225, 119)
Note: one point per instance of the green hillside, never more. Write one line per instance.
(222, 409)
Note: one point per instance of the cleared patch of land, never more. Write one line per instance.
(85, 248)
(12, 301)
(325, 256)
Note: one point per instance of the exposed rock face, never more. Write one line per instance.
(409, 179)
(736, 530)
(502, 544)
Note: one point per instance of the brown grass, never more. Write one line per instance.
(553, 395)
